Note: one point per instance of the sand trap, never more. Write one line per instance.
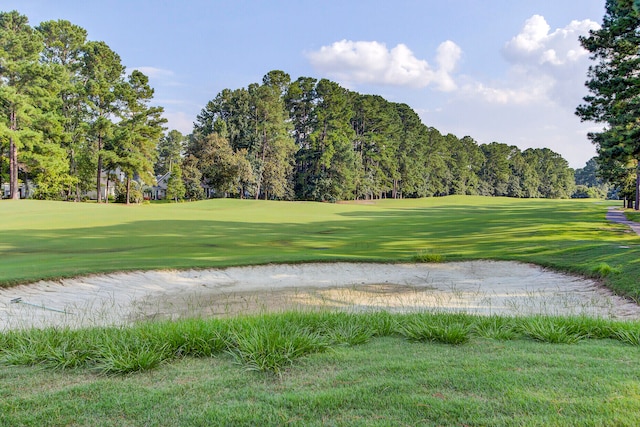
(478, 287)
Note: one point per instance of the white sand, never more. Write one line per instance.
(480, 287)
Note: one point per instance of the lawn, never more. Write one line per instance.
(54, 239)
(323, 368)
(326, 369)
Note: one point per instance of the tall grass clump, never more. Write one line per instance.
(54, 348)
(496, 327)
(267, 344)
(126, 350)
(628, 333)
(188, 337)
(446, 329)
(553, 330)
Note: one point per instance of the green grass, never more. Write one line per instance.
(321, 368)
(56, 239)
(308, 374)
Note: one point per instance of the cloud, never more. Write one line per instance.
(361, 62)
(533, 103)
(537, 46)
(552, 60)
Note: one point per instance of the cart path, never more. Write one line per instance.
(616, 215)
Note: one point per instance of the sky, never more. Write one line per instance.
(510, 71)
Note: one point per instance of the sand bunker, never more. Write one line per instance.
(477, 287)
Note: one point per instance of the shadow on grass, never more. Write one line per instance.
(571, 237)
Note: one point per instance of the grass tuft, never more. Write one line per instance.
(267, 348)
(421, 330)
(551, 330)
(627, 333)
(428, 257)
(604, 270)
(494, 327)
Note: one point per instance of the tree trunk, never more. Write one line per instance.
(106, 189)
(98, 181)
(128, 189)
(637, 205)
(13, 170)
(13, 160)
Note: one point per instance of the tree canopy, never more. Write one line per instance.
(68, 112)
(614, 92)
(312, 139)
(71, 117)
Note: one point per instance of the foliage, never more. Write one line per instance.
(169, 152)
(352, 146)
(69, 115)
(138, 131)
(176, 189)
(126, 194)
(614, 90)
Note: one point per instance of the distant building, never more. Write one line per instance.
(25, 191)
(159, 191)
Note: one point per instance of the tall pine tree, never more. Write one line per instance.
(614, 86)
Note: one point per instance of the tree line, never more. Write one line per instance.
(312, 139)
(70, 117)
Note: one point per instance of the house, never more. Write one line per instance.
(24, 190)
(159, 191)
(107, 187)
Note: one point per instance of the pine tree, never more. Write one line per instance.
(175, 186)
(614, 86)
(20, 46)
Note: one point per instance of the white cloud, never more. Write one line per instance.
(553, 59)
(536, 45)
(358, 62)
(533, 104)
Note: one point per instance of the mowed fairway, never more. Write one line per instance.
(54, 239)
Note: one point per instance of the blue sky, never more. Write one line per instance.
(510, 71)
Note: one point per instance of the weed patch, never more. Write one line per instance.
(604, 270)
(428, 257)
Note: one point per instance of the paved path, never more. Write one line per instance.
(616, 215)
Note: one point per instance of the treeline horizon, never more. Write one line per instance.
(311, 139)
(70, 117)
